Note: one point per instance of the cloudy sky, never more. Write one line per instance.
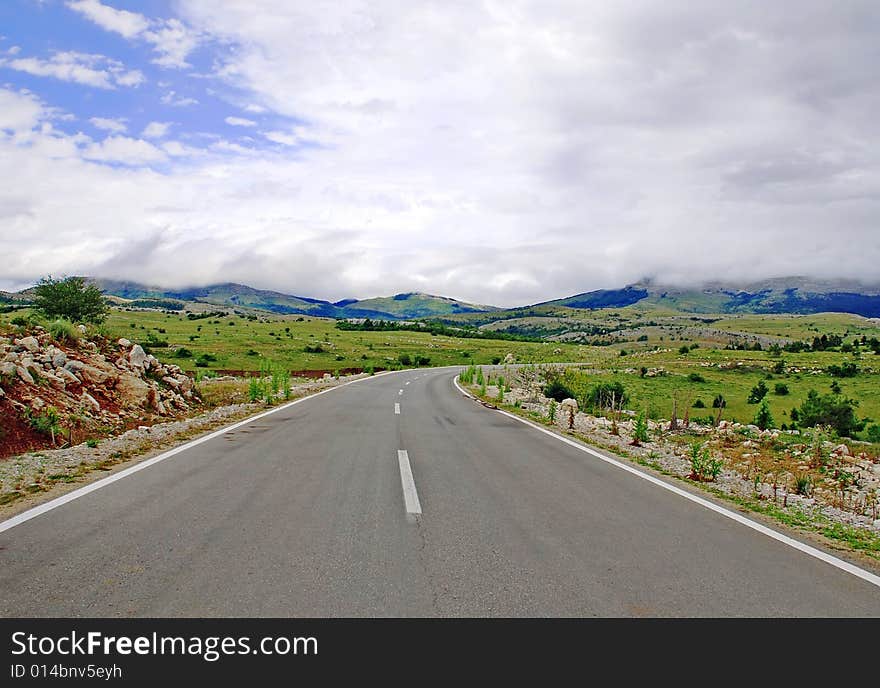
(499, 152)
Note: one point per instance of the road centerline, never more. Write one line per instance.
(396, 409)
(410, 494)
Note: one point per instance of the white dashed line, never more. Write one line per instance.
(410, 496)
(396, 409)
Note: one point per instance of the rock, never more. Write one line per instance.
(7, 369)
(90, 401)
(67, 376)
(566, 413)
(124, 343)
(11, 357)
(326, 376)
(509, 359)
(24, 375)
(29, 343)
(186, 384)
(842, 449)
(82, 329)
(171, 382)
(2, 393)
(137, 356)
(59, 359)
(54, 380)
(34, 369)
(132, 391)
(92, 375)
(37, 403)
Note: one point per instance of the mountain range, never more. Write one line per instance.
(796, 295)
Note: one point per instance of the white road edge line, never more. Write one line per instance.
(410, 495)
(98, 484)
(739, 518)
(396, 409)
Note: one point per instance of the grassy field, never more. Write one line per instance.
(702, 374)
(306, 343)
(242, 343)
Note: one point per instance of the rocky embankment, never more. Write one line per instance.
(54, 392)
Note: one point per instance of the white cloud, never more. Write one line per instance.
(19, 112)
(240, 122)
(588, 144)
(170, 38)
(123, 22)
(156, 130)
(171, 98)
(124, 150)
(81, 68)
(282, 138)
(117, 126)
(254, 108)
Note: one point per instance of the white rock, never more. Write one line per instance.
(24, 375)
(67, 376)
(137, 356)
(7, 369)
(123, 342)
(59, 359)
(91, 401)
(29, 343)
(843, 450)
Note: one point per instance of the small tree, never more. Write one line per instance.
(70, 298)
(758, 392)
(640, 432)
(763, 418)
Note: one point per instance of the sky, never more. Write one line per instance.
(501, 152)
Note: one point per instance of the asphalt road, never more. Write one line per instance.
(303, 513)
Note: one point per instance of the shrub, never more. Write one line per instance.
(92, 443)
(496, 360)
(556, 389)
(803, 484)
(831, 410)
(696, 377)
(70, 298)
(47, 423)
(874, 434)
(405, 359)
(758, 392)
(21, 321)
(551, 411)
(421, 360)
(640, 431)
(699, 404)
(604, 393)
(846, 369)
(204, 360)
(316, 349)
(684, 349)
(703, 467)
(183, 352)
(719, 401)
(763, 418)
(780, 389)
(63, 330)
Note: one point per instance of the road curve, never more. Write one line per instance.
(309, 511)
